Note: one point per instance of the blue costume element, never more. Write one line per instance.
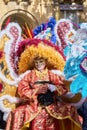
(79, 85)
(46, 31)
(38, 29)
(51, 23)
(71, 69)
(53, 37)
(67, 50)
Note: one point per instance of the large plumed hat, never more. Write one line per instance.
(42, 48)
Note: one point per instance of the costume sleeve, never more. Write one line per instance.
(54, 78)
(24, 88)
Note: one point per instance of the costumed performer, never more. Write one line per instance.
(83, 109)
(39, 90)
(76, 66)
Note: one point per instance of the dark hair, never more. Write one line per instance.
(38, 58)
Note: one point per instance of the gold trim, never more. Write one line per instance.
(27, 124)
(61, 118)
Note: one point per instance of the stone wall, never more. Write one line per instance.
(40, 9)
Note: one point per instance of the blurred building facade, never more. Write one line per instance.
(34, 12)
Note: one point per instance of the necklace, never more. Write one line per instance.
(42, 75)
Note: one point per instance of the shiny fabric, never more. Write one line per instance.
(31, 115)
(43, 121)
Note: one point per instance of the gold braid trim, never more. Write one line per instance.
(27, 124)
(66, 117)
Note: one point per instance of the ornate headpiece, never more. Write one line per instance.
(41, 48)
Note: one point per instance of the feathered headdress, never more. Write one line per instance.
(42, 48)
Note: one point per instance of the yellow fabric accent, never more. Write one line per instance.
(54, 58)
(26, 125)
(3, 40)
(7, 90)
(42, 75)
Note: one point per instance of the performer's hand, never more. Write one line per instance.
(61, 80)
(42, 89)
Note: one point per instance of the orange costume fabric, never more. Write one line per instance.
(33, 116)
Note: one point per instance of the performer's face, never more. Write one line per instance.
(40, 64)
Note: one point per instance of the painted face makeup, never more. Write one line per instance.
(40, 64)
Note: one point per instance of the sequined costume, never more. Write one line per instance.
(33, 116)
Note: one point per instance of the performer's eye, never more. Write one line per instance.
(41, 61)
(36, 62)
